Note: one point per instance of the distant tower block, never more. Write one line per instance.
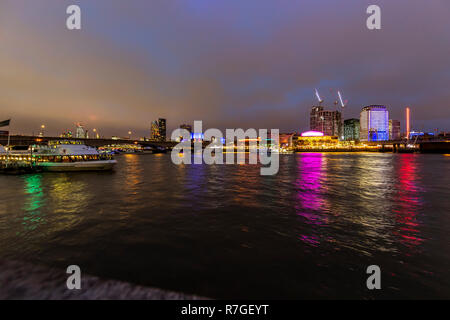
(80, 132)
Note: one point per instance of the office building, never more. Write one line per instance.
(394, 130)
(351, 129)
(158, 130)
(162, 129)
(374, 123)
(154, 131)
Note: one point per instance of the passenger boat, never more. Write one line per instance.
(15, 163)
(68, 155)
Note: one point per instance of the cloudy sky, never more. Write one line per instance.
(230, 63)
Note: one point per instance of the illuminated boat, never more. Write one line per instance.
(286, 151)
(70, 156)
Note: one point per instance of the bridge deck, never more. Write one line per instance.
(17, 140)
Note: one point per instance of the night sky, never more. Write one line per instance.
(230, 63)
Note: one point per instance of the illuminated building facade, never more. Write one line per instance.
(67, 134)
(197, 137)
(328, 122)
(314, 119)
(394, 130)
(80, 133)
(158, 130)
(374, 123)
(316, 140)
(154, 131)
(162, 129)
(351, 129)
(285, 140)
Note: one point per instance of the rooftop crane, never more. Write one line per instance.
(343, 105)
(318, 97)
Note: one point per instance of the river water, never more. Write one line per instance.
(225, 231)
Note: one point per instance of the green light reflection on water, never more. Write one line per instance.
(33, 216)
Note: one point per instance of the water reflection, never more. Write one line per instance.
(247, 184)
(323, 213)
(68, 194)
(196, 175)
(34, 201)
(408, 202)
(310, 204)
(133, 174)
(371, 215)
(130, 184)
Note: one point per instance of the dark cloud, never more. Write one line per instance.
(229, 63)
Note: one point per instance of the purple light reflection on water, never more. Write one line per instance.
(309, 201)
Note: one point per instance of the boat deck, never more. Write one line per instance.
(17, 167)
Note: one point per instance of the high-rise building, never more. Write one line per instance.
(394, 130)
(158, 130)
(314, 119)
(374, 123)
(351, 129)
(154, 131)
(328, 122)
(162, 129)
(188, 127)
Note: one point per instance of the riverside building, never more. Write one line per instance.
(325, 121)
(374, 123)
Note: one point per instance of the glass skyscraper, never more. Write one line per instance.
(374, 122)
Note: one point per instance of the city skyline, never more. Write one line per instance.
(324, 120)
(211, 153)
(127, 66)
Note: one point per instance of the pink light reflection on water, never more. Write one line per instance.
(309, 201)
(408, 202)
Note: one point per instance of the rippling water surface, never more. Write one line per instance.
(226, 232)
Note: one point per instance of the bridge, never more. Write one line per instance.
(436, 145)
(18, 140)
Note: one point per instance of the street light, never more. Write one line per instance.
(42, 130)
